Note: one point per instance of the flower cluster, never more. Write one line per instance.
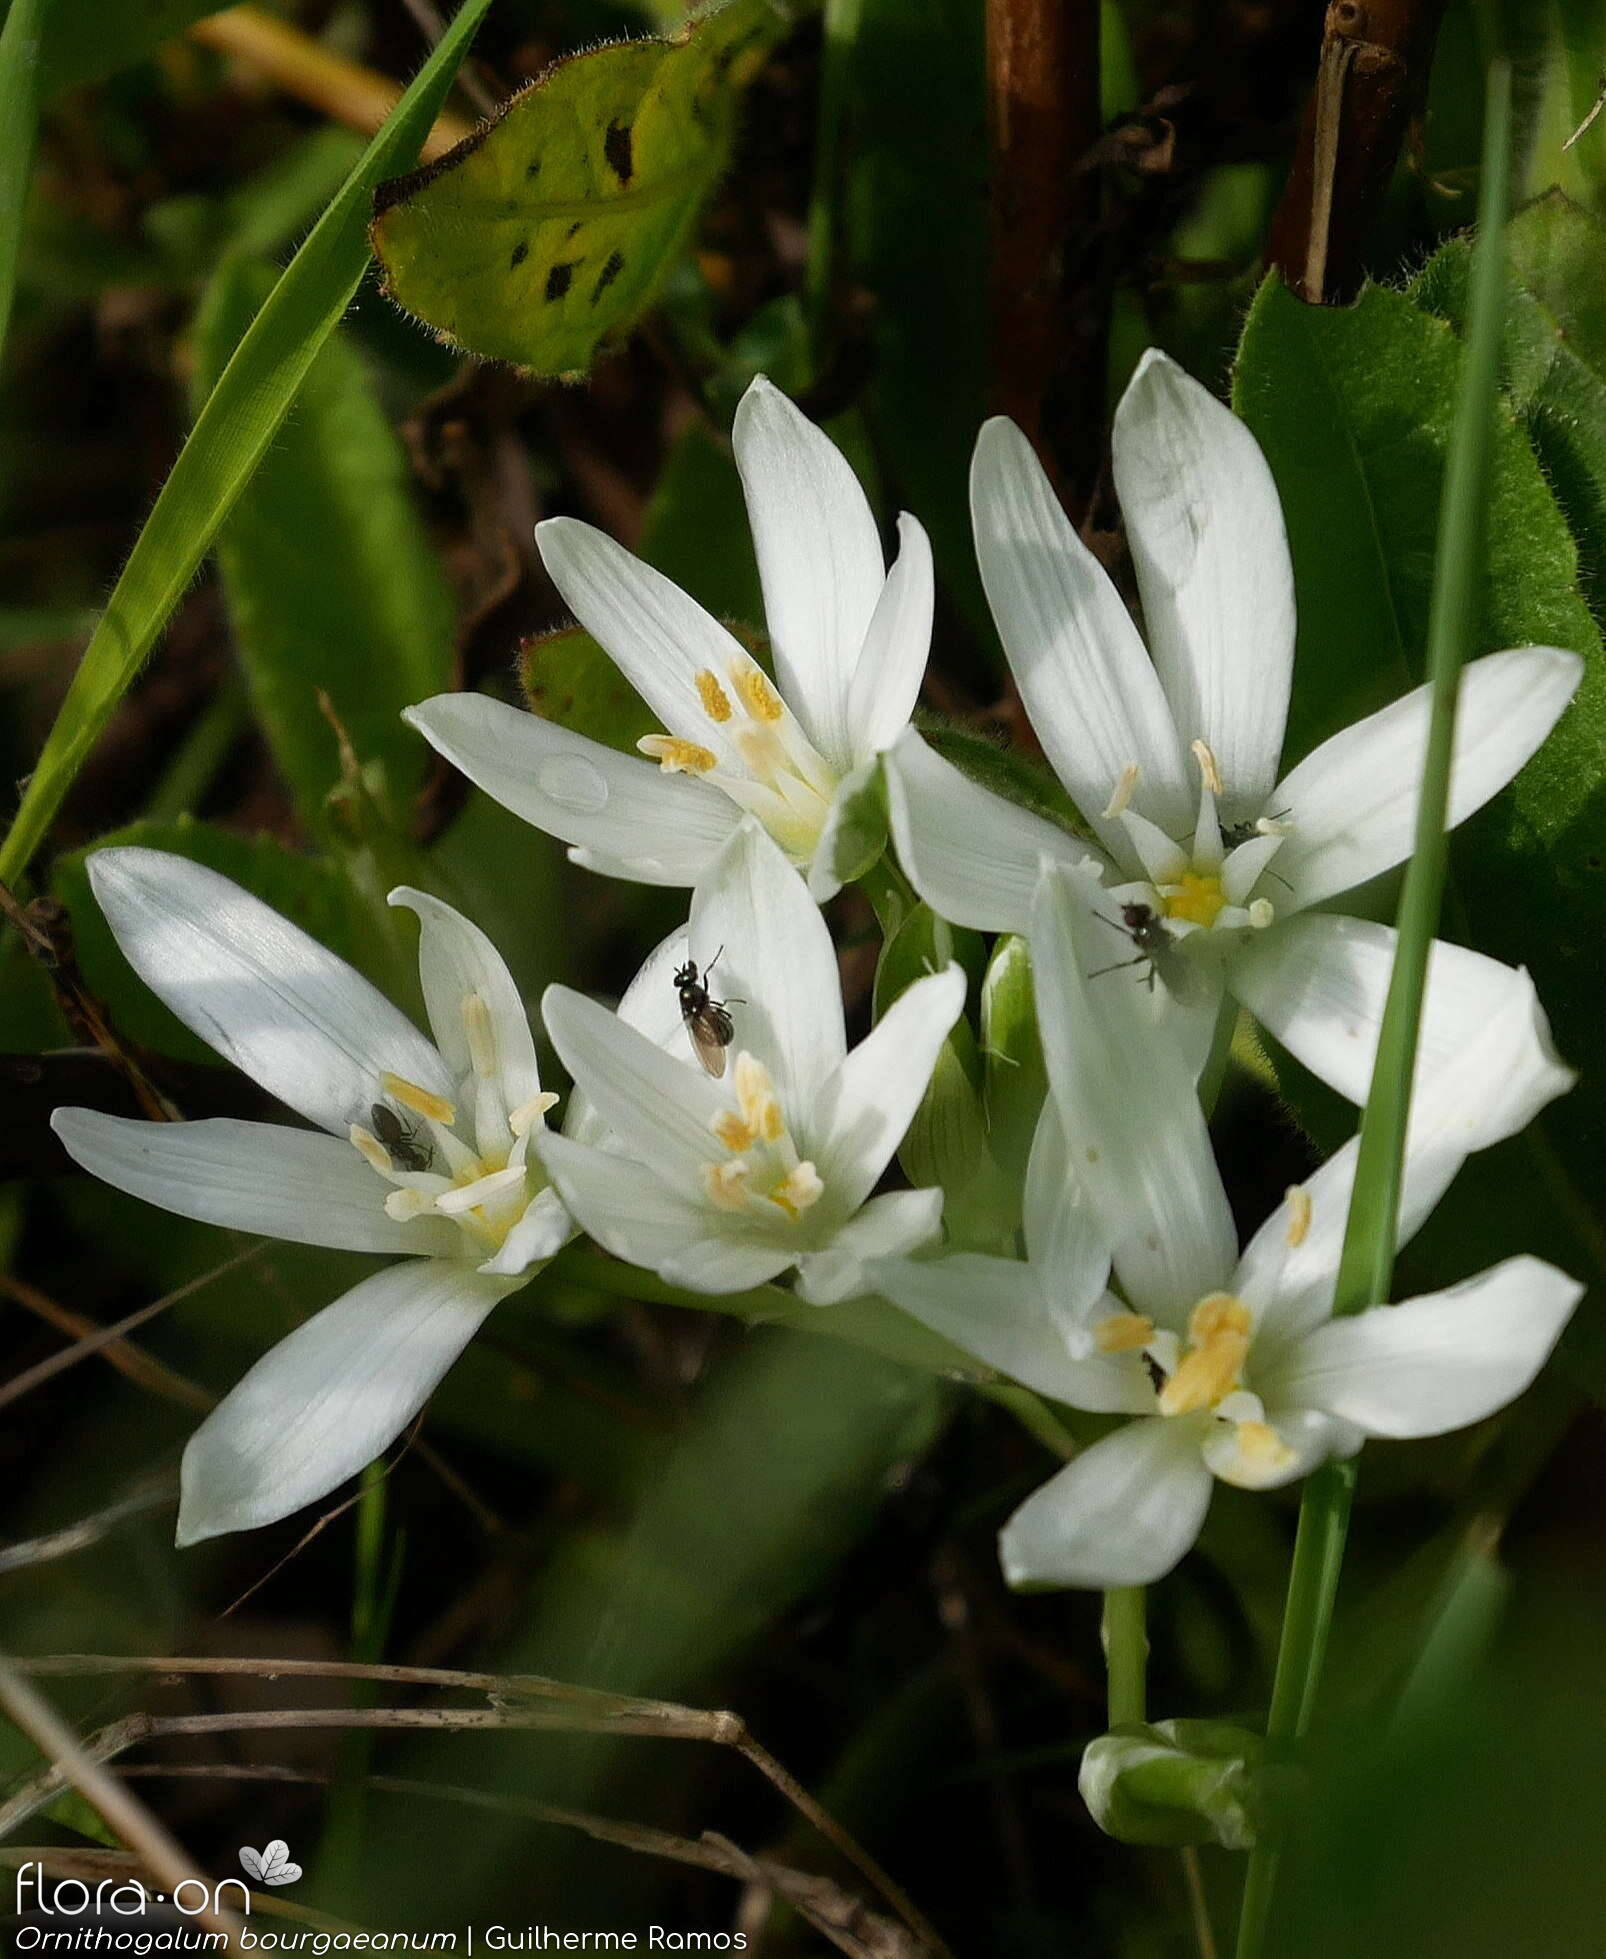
(724, 1135)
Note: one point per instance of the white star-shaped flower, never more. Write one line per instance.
(720, 1184)
(1210, 858)
(419, 1147)
(1232, 1364)
(849, 640)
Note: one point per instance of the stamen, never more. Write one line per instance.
(528, 1114)
(372, 1151)
(713, 697)
(1121, 795)
(1123, 1333)
(677, 757)
(419, 1100)
(1262, 1447)
(799, 1189)
(735, 1134)
(726, 1183)
(401, 1205)
(757, 695)
(481, 1034)
(471, 1195)
(755, 1092)
(1268, 826)
(1297, 1198)
(1218, 1335)
(1261, 913)
(1207, 766)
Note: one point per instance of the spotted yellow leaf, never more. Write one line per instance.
(552, 227)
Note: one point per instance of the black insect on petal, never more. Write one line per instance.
(617, 148)
(521, 252)
(606, 277)
(559, 279)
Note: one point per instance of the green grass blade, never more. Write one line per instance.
(1366, 1268)
(19, 91)
(230, 436)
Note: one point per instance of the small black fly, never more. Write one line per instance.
(707, 1021)
(400, 1138)
(1146, 929)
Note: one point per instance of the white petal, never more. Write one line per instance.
(844, 832)
(1126, 1097)
(998, 1310)
(1206, 532)
(819, 559)
(650, 1004)
(455, 959)
(540, 1234)
(896, 1222)
(1066, 1239)
(1351, 805)
(265, 1177)
(325, 1401)
(972, 856)
(1435, 1363)
(886, 681)
(1089, 687)
(752, 914)
(658, 636)
(1485, 1064)
(1122, 1513)
(659, 1107)
(281, 1007)
(861, 1112)
(656, 828)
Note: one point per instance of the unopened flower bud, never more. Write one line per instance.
(1175, 1783)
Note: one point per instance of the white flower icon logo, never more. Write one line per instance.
(270, 1866)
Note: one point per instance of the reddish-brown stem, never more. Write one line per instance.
(1044, 116)
(1372, 77)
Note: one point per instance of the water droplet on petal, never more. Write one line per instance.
(574, 782)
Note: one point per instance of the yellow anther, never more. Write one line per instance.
(677, 757)
(1261, 1447)
(1204, 756)
(757, 695)
(419, 1100)
(401, 1205)
(372, 1151)
(800, 1188)
(1261, 914)
(1121, 794)
(772, 1124)
(1196, 898)
(735, 1134)
(716, 703)
(726, 1183)
(524, 1118)
(1123, 1333)
(1297, 1198)
(755, 1093)
(477, 1025)
(1218, 1336)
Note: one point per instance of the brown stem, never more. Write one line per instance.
(1047, 331)
(1371, 80)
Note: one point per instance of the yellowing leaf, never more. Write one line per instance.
(552, 228)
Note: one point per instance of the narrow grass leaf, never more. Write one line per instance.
(230, 436)
(19, 91)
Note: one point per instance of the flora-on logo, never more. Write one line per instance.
(270, 1866)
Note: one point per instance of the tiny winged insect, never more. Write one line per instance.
(707, 1021)
(1146, 929)
(400, 1138)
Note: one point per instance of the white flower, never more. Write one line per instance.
(849, 641)
(1233, 1364)
(725, 1183)
(1174, 762)
(419, 1149)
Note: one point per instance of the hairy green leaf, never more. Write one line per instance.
(331, 582)
(231, 434)
(552, 228)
